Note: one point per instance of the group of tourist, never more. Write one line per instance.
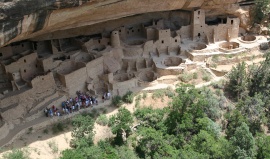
(71, 105)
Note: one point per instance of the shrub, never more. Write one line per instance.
(186, 77)
(214, 65)
(102, 120)
(215, 58)
(128, 97)
(117, 101)
(206, 77)
(58, 127)
(54, 147)
(16, 154)
(195, 75)
(103, 110)
(46, 131)
(144, 95)
(94, 113)
(158, 94)
(169, 92)
(219, 85)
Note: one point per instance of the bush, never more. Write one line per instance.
(169, 92)
(54, 146)
(16, 154)
(144, 95)
(195, 75)
(58, 127)
(186, 77)
(102, 120)
(46, 131)
(117, 101)
(206, 77)
(215, 58)
(158, 94)
(94, 113)
(128, 97)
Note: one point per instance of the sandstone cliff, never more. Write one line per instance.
(39, 19)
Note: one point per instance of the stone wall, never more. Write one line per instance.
(76, 81)
(95, 67)
(42, 83)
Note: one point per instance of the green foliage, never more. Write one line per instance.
(154, 145)
(260, 11)
(149, 117)
(144, 95)
(126, 153)
(82, 132)
(215, 58)
(190, 128)
(102, 120)
(117, 101)
(53, 146)
(46, 131)
(120, 123)
(237, 85)
(195, 75)
(263, 146)
(259, 78)
(71, 154)
(58, 127)
(219, 84)
(212, 108)
(128, 97)
(16, 154)
(109, 152)
(254, 112)
(209, 146)
(160, 93)
(243, 142)
(186, 77)
(184, 110)
(94, 113)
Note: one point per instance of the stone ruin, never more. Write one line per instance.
(35, 74)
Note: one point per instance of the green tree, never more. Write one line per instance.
(125, 153)
(209, 145)
(252, 108)
(109, 152)
(243, 142)
(238, 83)
(263, 146)
(121, 124)
(71, 154)
(153, 144)
(82, 132)
(185, 108)
(260, 11)
(260, 78)
(234, 120)
(212, 108)
(149, 117)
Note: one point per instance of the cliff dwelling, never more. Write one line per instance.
(113, 56)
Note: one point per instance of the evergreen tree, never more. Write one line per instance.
(243, 142)
(238, 83)
(121, 125)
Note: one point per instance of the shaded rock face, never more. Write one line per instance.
(32, 19)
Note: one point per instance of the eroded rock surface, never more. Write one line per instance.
(33, 19)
